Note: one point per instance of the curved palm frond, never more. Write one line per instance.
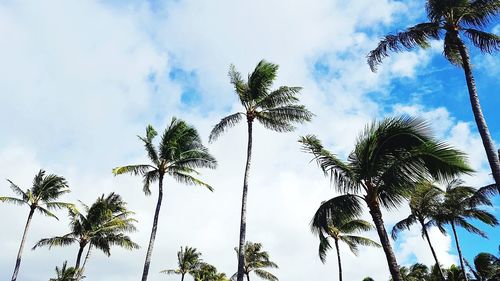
(224, 124)
(266, 275)
(133, 169)
(484, 41)
(13, 200)
(283, 96)
(353, 241)
(404, 224)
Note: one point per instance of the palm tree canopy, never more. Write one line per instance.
(42, 194)
(179, 153)
(102, 225)
(188, 259)
(257, 260)
(486, 267)
(207, 272)
(65, 273)
(447, 20)
(274, 109)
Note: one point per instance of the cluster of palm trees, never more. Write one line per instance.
(394, 161)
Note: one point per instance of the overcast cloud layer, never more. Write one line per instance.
(80, 79)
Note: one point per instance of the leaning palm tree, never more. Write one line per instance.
(424, 203)
(276, 110)
(103, 225)
(389, 158)
(188, 259)
(179, 154)
(341, 230)
(65, 273)
(40, 197)
(453, 20)
(460, 203)
(256, 260)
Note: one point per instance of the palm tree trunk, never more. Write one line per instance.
(243, 222)
(384, 240)
(182, 277)
(493, 159)
(79, 255)
(248, 276)
(432, 250)
(23, 240)
(338, 258)
(79, 274)
(459, 251)
(153, 230)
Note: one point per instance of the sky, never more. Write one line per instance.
(81, 79)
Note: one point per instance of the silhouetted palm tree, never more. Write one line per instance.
(179, 153)
(40, 197)
(341, 230)
(276, 110)
(188, 260)
(452, 20)
(101, 226)
(389, 158)
(256, 260)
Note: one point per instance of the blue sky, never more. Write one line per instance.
(78, 91)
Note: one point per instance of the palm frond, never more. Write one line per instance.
(324, 246)
(335, 210)
(224, 124)
(415, 36)
(190, 180)
(484, 41)
(58, 205)
(287, 114)
(265, 275)
(283, 96)
(261, 79)
(13, 200)
(480, 13)
(148, 144)
(133, 169)
(404, 224)
(170, 271)
(148, 178)
(451, 51)
(17, 190)
(46, 212)
(240, 86)
(356, 225)
(352, 240)
(275, 124)
(56, 241)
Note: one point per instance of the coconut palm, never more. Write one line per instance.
(453, 21)
(65, 273)
(460, 203)
(276, 110)
(416, 272)
(424, 203)
(389, 158)
(454, 273)
(179, 153)
(256, 260)
(188, 259)
(207, 272)
(40, 197)
(103, 225)
(341, 230)
(486, 267)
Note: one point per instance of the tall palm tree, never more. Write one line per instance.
(389, 157)
(276, 110)
(453, 20)
(179, 153)
(341, 230)
(103, 225)
(188, 259)
(40, 197)
(65, 273)
(460, 203)
(256, 260)
(486, 267)
(424, 203)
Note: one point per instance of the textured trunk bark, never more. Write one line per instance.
(488, 144)
(432, 250)
(384, 240)
(338, 258)
(153, 230)
(79, 255)
(248, 276)
(243, 222)
(23, 240)
(182, 277)
(79, 274)
(459, 252)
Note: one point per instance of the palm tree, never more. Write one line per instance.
(342, 230)
(416, 272)
(256, 260)
(486, 267)
(451, 20)
(179, 154)
(103, 225)
(424, 202)
(388, 159)
(65, 273)
(276, 110)
(188, 259)
(454, 273)
(207, 272)
(461, 203)
(368, 279)
(40, 197)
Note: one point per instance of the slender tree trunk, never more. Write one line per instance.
(459, 251)
(488, 144)
(248, 276)
(153, 230)
(23, 240)
(79, 274)
(182, 277)
(79, 255)
(384, 240)
(338, 258)
(432, 250)
(243, 221)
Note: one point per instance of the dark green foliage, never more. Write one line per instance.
(188, 260)
(256, 260)
(66, 273)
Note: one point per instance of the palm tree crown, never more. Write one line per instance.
(388, 159)
(65, 273)
(188, 259)
(256, 260)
